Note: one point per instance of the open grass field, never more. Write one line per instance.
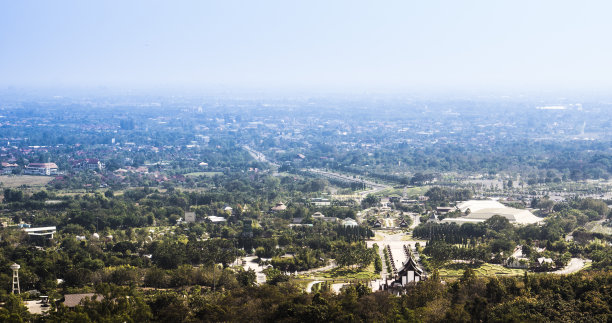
(483, 270)
(346, 274)
(597, 227)
(11, 181)
(206, 174)
(411, 191)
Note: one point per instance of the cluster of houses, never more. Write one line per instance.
(8, 168)
(347, 222)
(87, 164)
(44, 169)
(519, 260)
(51, 169)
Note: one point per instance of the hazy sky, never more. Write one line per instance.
(376, 45)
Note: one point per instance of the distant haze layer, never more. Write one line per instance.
(374, 45)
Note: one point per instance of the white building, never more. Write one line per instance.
(41, 169)
(348, 222)
(482, 210)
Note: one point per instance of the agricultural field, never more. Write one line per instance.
(12, 181)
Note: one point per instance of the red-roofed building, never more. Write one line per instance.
(8, 168)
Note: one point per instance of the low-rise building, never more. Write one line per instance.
(348, 222)
(319, 201)
(216, 219)
(72, 300)
(279, 207)
(88, 164)
(321, 216)
(8, 168)
(41, 169)
(481, 210)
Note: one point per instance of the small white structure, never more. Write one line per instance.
(15, 267)
(319, 201)
(544, 260)
(216, 219)
(348, 222)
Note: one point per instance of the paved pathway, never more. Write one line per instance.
(331, 265)
(573, 266)
(249, 263)
(310, 284)
(416, 220)
(396, 243)
(374, 187)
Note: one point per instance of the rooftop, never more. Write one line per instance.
(72, 300)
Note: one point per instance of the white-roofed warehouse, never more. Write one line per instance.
(477, 205)
(482, 210)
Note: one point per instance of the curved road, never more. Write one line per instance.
(573, 266)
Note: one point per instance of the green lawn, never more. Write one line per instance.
(417, 190)
(486, 269)
(596, 227)
(347, 274)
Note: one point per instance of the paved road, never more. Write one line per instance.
(396, 243)
(248, 263)
(331, 265)
(310, 284)
(35, 307)
(375, 187)
(573, 266)
(258, 156)
(416, 220)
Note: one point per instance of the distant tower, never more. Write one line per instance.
(15, 268)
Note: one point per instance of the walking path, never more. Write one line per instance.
(249, 263)
(573, 266)
(310, 284)
(331, 265)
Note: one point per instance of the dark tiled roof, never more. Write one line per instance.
(72, 300)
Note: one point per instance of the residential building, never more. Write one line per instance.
(88, 164)
(8, 168)
(41, 169)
